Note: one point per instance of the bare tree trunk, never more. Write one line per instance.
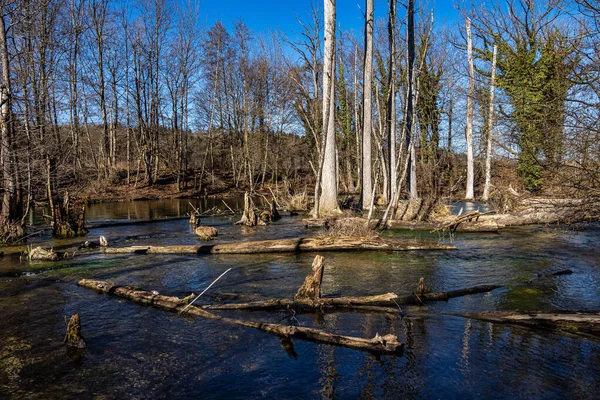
(450, 109)
(391, 100)
(367, 176)
(99, 17)
(328, 200)
(409, 124)
(490, 130)
(469, 128)
(7, 214)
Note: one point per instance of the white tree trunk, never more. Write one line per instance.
(367, 184)
(490, 130)
(328, 199)
(469, 128)
(391, 109)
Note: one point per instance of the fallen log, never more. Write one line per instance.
(580, 323)
(295, 245)
(390, 300)
(387, 344)
(548, 211)
(469, 226)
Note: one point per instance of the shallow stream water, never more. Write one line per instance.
(141, 352)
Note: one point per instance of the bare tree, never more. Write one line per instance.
(367, 187)
(490, 129)
(469, 127)
(410, 100)
(326, 202)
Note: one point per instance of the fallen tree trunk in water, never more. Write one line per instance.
(295, 245)
(388, 300)
(387, 344)
(580, 323)
(548, 211)
(472, 226)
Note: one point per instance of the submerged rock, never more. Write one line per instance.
(206, 232)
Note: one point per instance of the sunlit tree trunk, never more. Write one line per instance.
(367, 185)
(490, 129)
(469, 128)
(328, 199)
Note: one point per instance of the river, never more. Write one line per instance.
(141, 352)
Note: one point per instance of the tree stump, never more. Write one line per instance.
(274, 212)
(73, 336)
(311, 289)
(249, 217)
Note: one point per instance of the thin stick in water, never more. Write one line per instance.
(204, 291)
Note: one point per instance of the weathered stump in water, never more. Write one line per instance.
(249, 217)
(206, 232)
(73, 336)
(311, 289)
(65, 221)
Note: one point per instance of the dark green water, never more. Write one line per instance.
(141, 352)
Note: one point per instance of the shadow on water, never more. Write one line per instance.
(141, 352)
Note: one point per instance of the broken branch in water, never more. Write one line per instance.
(387, 344)
(204, 291)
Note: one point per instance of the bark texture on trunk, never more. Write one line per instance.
(328, 202)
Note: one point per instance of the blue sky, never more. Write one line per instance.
(265, 15)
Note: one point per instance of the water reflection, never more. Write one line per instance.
(142, 352)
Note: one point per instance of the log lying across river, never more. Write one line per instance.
(471, 226)
(387, 344)
(295, 245)
(391, 300)
(580, 323)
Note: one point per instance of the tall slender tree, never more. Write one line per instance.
(367, 186)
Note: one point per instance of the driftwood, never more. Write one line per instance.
(391, 300)
(295, 245)
(580, 323)
(73, 336)
(387, 344)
